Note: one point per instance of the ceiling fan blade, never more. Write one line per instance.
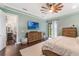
(24, 9)
(44, 12)
(47, 4)
(59, 9)
(53, 3)
(44, 7)
(60, 6)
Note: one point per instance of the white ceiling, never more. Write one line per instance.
(34, 9)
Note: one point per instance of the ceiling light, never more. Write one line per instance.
(74, 6)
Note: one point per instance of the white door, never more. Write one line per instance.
(2, 31)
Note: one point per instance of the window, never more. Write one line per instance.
(54, 28)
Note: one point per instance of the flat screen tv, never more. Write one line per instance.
(32, 25)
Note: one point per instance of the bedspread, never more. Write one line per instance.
(61, 45)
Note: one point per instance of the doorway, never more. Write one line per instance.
(11, 28)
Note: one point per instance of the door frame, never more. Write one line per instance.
(17, 39)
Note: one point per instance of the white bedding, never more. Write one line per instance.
(61, 45)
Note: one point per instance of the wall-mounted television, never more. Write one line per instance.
(32, 25)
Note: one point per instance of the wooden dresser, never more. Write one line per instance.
(34, 36)
(70, 32)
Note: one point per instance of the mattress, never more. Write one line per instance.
(62, 45)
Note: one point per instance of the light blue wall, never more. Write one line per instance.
(23, 25)
(22, 22)
(68, 21)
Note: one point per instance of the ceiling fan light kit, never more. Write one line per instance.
(50, 11)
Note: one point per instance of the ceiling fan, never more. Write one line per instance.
(52, 7)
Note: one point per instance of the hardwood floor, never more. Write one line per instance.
(2, 52)
(30, 44)
(14, 50)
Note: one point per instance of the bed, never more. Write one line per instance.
(61, 46)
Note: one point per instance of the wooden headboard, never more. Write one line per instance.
(70, 32)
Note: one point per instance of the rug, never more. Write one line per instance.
(35, 50)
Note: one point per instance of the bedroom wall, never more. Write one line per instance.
(22, 23)
(68, 21)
